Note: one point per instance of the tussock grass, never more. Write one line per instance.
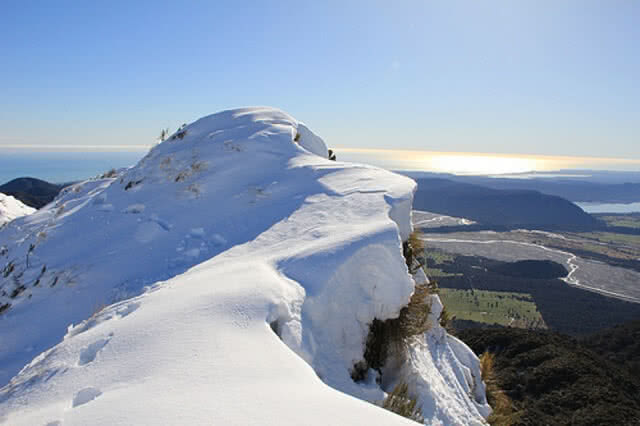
(399, 402)
(445, 318)
(413, 251)
(394, 334)
(415, 241)
(109, 174)
(503, 413)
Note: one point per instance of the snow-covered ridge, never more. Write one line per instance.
(236, 226)
(11, 208)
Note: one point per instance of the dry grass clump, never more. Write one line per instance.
(399, 402)
(445, 318)
(109, 174)
(414, 318)
(503, 413)
(413, 251)
(181, 133)
(8, 269)
(415, 241)
(395, 333)
(164, 133)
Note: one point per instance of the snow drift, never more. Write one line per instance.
(11, 208)
(240, 270)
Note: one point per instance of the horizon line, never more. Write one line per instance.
(486, 154)
(75, 148)
(140, 148)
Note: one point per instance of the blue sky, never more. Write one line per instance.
(528, 77)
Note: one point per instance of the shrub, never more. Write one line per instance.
(109, 174)
(164, 133)
(399, 402)
(181, 133)
(501, 404)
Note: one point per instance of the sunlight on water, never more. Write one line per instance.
(479, 163)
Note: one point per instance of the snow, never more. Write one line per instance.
(228, 278)
(11, 208)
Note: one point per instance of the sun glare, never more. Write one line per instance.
(462, 163)
(485, 164)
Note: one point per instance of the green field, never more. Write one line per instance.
(434, 258)
(627, 221)
(492, 307)
(613, 238)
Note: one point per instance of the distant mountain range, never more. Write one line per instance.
(591, 186)
(500, 207)
(572, 190)
(487, 206)
(33, 192)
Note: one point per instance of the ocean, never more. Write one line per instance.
(61, 167)
(609, 207)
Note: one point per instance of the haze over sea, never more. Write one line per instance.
(65, 164)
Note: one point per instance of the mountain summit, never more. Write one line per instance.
(227, 278)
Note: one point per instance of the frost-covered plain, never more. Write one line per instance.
(240, 270)
(10, 208)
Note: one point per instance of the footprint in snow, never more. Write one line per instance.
(134, 209)
(148, 231)
(85, 395)
(105, 207)
(126, 310)
(120, 312)
(89, 353)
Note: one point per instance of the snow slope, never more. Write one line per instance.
(242, 270)
(10, 208)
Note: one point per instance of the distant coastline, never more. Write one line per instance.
(609, 207)
(486, 164)
(61, 166)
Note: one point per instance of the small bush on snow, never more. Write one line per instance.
(109, 174)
